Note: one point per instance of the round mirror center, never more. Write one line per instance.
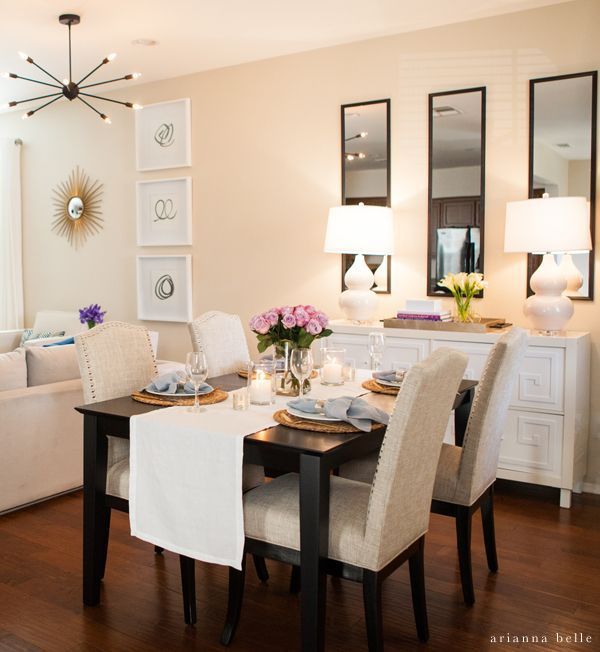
(75, 208)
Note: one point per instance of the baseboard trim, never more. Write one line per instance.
(591, 488)
(39, 500)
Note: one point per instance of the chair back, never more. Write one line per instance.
(400, 500)
(222, 337)
(483, 436)
(115, 359)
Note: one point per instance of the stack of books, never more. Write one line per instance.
(424, 309)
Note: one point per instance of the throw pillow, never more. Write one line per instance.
(13, 370)
(51, 365)
(28, 334)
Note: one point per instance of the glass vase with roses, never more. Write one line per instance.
(288, 328)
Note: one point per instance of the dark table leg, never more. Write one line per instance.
(314, 541)
(95, 512)
(461, 416)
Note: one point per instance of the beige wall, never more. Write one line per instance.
(267, 168)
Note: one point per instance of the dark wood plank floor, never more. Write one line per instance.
(549, 582)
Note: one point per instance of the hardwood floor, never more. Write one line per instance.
(548, 583)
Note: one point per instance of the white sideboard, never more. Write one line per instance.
(545, 440)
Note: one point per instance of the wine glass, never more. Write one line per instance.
(376, 349)
(301, 363)
(196, 369)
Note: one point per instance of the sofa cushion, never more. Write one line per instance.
(13, 370)
(31, 334)
(51, 365)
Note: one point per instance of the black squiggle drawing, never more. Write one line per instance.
(165, 134)
(164, 209)
(164, 288)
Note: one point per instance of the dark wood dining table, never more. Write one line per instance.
(313, 455)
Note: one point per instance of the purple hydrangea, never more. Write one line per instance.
(91, 315)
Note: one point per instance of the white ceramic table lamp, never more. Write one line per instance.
(547, 226)
(359, 230)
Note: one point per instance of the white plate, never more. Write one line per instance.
(180, 393)
(309, 415)
(388, 383)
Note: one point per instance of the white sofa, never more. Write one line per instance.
(41, 434)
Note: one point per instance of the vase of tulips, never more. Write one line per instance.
(288, 328)
(464, 287)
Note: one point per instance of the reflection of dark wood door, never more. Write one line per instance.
(455, 211)
(538, 193)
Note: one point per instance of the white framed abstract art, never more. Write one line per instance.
(163, 135)
(164, 288)
(164, 212)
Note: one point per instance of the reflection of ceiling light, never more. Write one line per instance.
(67, 87)
(350, 156)
(148, 42)
(362, 134)
(353, 115)
(445, 111)
(563, 145)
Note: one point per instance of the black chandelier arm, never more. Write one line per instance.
(37, 65)
(13, 75)
(93, 70)
(107, 99)
(43, 106)
(108, 81)
(32, 99)
(94, 109)
(70, 70)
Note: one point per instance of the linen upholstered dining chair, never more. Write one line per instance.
(466, 475)
(373, 528)
(221, 335)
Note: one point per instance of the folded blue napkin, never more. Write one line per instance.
(168, 383)
(390, 376)
(346, 408)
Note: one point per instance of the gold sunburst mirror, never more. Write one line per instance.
(77, 203)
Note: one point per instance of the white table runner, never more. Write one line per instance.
(185, 486)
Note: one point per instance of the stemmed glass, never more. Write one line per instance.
(196, 369)
(376, 349)
(301, 363)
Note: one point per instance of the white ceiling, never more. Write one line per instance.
(196, 35)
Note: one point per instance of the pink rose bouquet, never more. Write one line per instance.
(300, 325)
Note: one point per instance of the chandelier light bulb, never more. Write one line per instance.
(136, 75)
(65, 81)
(364, 134)
(23, 56)
(362, 155)
(137, 107)
(350, 157)
(112, 56)
(106, 119)
(5, 75)
(27, 115)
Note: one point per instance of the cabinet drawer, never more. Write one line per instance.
(532, 442)
(403, 350)
(477, 352)
(540, 382)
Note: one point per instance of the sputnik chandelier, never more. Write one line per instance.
(67, 87)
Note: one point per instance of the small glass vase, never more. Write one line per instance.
(287, 384)
(465, 313)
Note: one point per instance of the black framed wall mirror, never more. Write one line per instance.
(456, 185)
(562, 160)
(366, 172)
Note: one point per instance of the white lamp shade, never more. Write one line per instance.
(360, 230)
(550, 224)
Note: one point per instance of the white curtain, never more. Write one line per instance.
(11, 248)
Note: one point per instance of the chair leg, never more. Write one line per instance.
(158, 550)
(106, 526)
(373, 615)
(489, 534)
(463, 539)
(261, 568)
(295, 583)
(417, 586)
(188, 588)
(234, 602)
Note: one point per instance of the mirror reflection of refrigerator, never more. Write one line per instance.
(458, 250)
